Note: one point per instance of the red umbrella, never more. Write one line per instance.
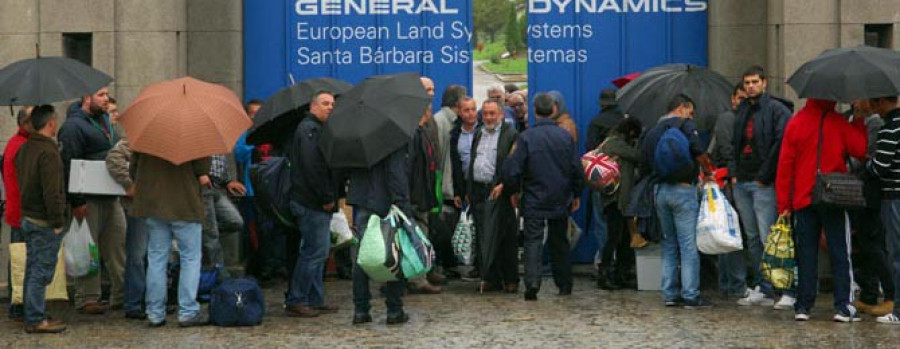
(624, 80)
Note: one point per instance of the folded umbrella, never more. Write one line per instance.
(373, 120)
(185, 119)
(624, 80)
(46, 80)
(648, 96)
(850, 73)
(279, 115)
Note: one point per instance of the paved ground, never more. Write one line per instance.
(481, 81)
(590, 318)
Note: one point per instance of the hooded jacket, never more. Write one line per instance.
(796, 175)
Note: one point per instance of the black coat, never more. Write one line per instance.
(423, 163)
(385, 184)
(769, 123)
(600, 126)
(312, 183)
(459, 180)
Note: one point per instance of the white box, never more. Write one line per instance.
(92, 177)
(649, 267)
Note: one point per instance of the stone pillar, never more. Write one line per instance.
(215, 42)
(737, 36)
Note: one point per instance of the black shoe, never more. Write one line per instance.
(606, 281)
(398, 318)
(451, 274)
(531, 294)
(677, 302)
(156, 324)
(472, 276)
(197, 320)
(565, 291)
(698, 303)
(362, 318)
(135, 315)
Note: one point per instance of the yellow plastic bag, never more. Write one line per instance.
(778, 264)
(56, 291)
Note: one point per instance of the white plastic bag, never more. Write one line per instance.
(464, 239)
(82, 256)
(718, 227)
(341, 235)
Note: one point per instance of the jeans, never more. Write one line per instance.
(890, 214)
(135, 265)
(758, 212)
(808, 226)
(677, 207)
(189, 237)
(732, 267)
(106, 219)
(362, 295)
(306, 283)
(15, 310)
(40, 264)
(599, 226)
(223, 222)
(871, 261)
(558, 244)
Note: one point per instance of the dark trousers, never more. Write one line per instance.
(615, 229)
(808, 226)
(362, 295)
(441, 227)
(501, 230)
(40, 265)
(558, 245)
(871, 260)
(890, 214)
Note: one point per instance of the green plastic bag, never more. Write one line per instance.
(378, 255)
(416, 251)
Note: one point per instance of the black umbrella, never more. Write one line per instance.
(373, 119)
(281, 113)
(45, 80)
(848, 74)
(647, 96)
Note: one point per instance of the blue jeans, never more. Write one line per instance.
(677, 207)
(598, 224)
(189, 237)
(40, 265)
(808, 225)
(362, 295)
(758, 211)
(315, 242)
(135, 267)
(890, 215)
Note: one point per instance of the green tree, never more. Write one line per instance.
(513, 36)
(486, 14)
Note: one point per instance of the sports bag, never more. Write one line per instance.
(237, 302)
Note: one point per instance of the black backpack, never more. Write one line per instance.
(272, 185)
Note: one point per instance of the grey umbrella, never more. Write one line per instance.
(45, 80)
(647, 96)
(850, 73)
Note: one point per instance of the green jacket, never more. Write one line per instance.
(628, 158)
(166, 191)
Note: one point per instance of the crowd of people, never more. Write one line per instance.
(520, 180)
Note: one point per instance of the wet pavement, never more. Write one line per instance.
(460, 318)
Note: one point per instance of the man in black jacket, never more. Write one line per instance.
(495, 217)
(313, 198)
(758, 129)
(88, 134)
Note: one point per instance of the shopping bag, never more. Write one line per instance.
(378, 255)
(463, 240)
(778, 264)
(416, 251)
(82, 255)
(341, 235)
(56, 291)
(718, 227)
(573, 233)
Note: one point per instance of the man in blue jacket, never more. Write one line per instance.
(545, 168)
(313, 198)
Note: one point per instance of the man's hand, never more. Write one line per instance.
(80, 212)
(495, 193)
(329, 207)
(205, 181)
(786, 214)
(235, 188)
(733, 180)
(575, 205)
(57, 231)
(457, 201)
(130, 192)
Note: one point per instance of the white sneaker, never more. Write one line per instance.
(756, 298)
(801, 317)
(785, 303)
(889, 319)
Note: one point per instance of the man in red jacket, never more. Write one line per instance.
(11, 185)
(797, 167)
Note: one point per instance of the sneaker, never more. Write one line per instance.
(698, 303)
(677, 302)
(197, 320)
(785, 303)
(889, 319)
(756, 298)
(845, 316)
(801, 315)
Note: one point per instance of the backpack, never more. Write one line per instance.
(672, 158)
(237, 302)
(271, 180)
(208, 278)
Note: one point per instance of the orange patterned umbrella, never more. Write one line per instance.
(185, 119)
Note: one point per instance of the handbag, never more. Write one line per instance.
(840, 190)
(601, 171)
(56, 290)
